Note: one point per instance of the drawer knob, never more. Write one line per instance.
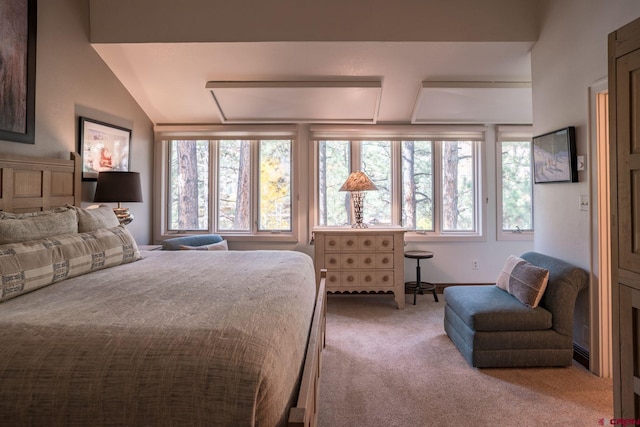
(350, 278)
(332, 242)
(367, 242)
(367, 279)
(385, 278)
(333, 279)
(333, 261)
(349, 260)
(367, 260)
(385, 243)
(349, 242)
(385, 260)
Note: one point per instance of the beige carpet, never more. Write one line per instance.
(387, 367)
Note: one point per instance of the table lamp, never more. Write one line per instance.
(118, 187)
(357, 183)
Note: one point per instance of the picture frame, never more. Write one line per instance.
(554, 156)
(103, 147)
(18, 19)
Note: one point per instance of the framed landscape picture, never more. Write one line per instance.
(103, 147)
(18, 21)
(554, 156)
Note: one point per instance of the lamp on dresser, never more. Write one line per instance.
(118, 187)
(357, 183)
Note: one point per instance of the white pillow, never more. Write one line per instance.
(220, 246)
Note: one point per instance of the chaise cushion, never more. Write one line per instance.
(489, 308)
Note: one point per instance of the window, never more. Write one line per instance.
(429, 185)
(514, 182)
(247, 182)
(189, 185)
(334, 159)
(417, 185)
(375, 161)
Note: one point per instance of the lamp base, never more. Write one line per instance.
(123, 214)
(357, 197)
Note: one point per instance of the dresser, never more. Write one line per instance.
(361, 260)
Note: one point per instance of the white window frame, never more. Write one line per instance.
(166, 133)
(398, 133)
(505, 133)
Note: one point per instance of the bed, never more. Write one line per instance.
(149, 337)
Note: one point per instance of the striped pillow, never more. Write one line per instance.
(27, 266)
(525, 281)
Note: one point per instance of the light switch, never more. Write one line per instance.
(581, 164)
(584, 202)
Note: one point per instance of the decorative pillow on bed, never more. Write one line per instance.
(15, 228)
(174, 243)
(95, 218)
(525, 281)
(31, 265)
(220, 246)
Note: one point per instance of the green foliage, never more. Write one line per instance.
(233, 179)
(183, 184)
(334, 160)
(376, 163)
(517, 206)
(275, 185)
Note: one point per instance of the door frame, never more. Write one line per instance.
(600, 226)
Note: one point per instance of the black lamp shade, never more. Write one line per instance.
(118, 187)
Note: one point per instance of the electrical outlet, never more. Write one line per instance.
(474, 264)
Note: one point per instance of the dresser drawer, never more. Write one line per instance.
(356, 261)
(358, 243)
(363, 279)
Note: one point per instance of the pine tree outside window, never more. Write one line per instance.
(246, 182)
(514, 183)
(429, 186)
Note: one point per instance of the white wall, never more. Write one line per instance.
(72, 81)
(570, 55)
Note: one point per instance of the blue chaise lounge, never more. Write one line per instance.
(492, 328)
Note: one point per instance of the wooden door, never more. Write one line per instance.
(624, 91)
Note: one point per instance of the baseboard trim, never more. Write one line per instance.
(581, 355)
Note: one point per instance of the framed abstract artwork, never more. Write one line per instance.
(18, 22)
(103, 147)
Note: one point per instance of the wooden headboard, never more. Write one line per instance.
(29, 184)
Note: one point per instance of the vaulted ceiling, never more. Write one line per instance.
(473, 68)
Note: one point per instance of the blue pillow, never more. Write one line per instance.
(195, 240)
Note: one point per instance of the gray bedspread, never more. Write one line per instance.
(177, 338)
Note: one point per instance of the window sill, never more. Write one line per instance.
(509, 236)
(262, 237)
